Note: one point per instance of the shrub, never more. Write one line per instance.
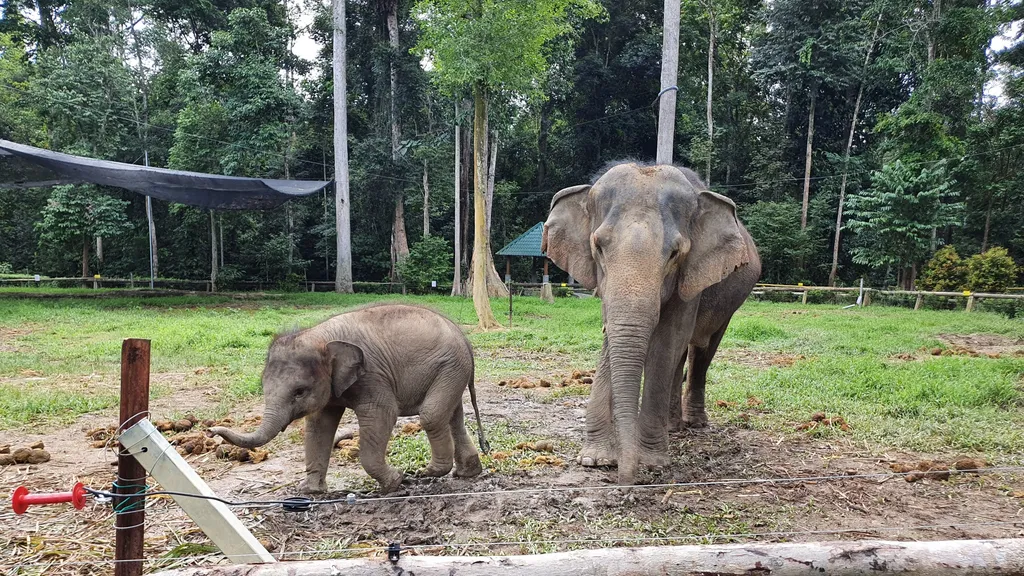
(429, 259)
(6, 268)
(991, 271)
(945, 272)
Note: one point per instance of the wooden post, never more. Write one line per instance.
(508, 270)
(131, 476)
(843, 558)
(970, 303)
(867, 297)
(669, 76)
(919, 302)
(803, 298)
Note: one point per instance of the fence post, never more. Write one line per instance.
(970, 303)
(129, 524)
(919, 301)
(867, 297)
(803, 298)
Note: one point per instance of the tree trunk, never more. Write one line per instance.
(712, 33)
(213, 252)
(467, 188)
(85, 256)
(543, 134)
(457, 274)
(495, 286)
(99, 253)
(220, 228)
(399, 238)
(152, 236)
(481, 250)
(343, 274)
(846, 157)
(492, 148)
(669, 75)
(426, 201)
(807, 158)
(988, 223)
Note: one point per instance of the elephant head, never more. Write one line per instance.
(300, 377)
(641, 235)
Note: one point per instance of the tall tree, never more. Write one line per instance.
(492, 48)
(343, 274)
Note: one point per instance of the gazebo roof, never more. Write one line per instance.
(527, 244)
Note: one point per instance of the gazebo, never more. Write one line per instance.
(528, 244)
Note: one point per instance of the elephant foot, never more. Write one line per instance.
(655, 458)
(695, 419)
(391, 482)
(469, 467)
(436, 470)
(597, 455)
(311, 486)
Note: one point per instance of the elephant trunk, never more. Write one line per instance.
(273, 424)
(629, 325)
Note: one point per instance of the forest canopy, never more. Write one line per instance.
(900, 121)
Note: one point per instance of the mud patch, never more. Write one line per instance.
(758, 358)
(991, 345)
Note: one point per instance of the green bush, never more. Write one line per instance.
(6, 268)
(991, 271)
(945, 272)
(429, 259)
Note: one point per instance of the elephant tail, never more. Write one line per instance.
(484, 447)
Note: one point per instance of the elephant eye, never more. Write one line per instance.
(301, 392)
(675, 252)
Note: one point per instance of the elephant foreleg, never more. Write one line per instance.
(319, 440)
(599, 446)
(694, 415)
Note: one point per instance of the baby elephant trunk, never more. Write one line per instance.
(272, 425)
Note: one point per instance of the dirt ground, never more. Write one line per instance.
(554, 506)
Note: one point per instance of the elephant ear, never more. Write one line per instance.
(717, 246)
(566, 238)
(346, 360)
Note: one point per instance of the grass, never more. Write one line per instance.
(840, 361)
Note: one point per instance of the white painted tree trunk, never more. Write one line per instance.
(807, 159)
(343, 274)
(854, 558)
(457, 276)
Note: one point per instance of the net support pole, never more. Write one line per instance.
(131, 476)
(174, 474)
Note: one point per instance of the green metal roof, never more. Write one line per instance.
(528, 244)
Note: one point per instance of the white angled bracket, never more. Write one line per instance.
(147, 445)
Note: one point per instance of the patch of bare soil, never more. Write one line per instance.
(991, 345)
(758, 358)
(849, 491)
(9, 338)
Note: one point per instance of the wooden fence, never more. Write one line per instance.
(866, 293)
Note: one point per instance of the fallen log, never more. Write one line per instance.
(956, 557)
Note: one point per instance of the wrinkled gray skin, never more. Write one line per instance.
(671, 263)
(381, 362)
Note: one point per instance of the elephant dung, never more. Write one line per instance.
(255, 455)
(101, 433)
(183, 425)
(29, 456)
(164, 425)
(5, 448)
(538, 446)
(37, 445)
(549, 460)
(349, 449)
(544, 383)
(410, 428)
(970, 465)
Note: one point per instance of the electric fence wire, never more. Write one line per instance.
(700, 538)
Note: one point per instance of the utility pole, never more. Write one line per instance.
(343, 274)
(669, 74)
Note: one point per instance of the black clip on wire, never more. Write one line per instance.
(394, 552)
(296, 504)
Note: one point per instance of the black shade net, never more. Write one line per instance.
(29, 167)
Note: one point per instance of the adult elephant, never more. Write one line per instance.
(671, 263)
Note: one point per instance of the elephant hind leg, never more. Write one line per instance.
(436, 418)
(694, 415)
(675, 407)
(467, 459)
(375, 425)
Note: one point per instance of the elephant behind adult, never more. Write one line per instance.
(671, 263)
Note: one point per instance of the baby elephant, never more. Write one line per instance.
(381, 361)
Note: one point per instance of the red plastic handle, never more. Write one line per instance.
(21, 499)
